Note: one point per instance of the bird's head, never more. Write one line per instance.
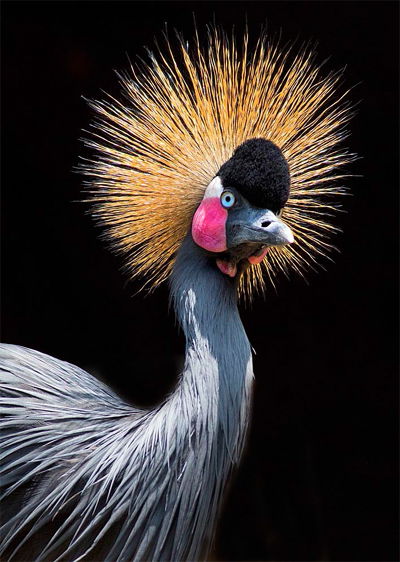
(238, 219)
(239, 148)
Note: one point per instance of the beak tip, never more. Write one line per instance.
(286, 234)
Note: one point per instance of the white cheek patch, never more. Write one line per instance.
(214, 188)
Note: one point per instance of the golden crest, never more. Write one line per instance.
(182, 117)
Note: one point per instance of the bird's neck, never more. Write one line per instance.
(216, 383)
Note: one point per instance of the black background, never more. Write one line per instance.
(318, 481)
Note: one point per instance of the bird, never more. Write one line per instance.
(218, 170)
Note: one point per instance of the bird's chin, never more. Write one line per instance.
(236, 260)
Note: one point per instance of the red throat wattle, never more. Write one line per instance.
(254, 260)
(208, 226)
(230, 268)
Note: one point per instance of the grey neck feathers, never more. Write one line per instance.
(212, 399)
(218, 367)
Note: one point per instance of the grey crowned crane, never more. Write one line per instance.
(217, 171)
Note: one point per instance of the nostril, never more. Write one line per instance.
(265, 224)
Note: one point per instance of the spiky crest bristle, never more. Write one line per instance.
(181, 120)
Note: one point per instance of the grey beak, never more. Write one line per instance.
(259, 226)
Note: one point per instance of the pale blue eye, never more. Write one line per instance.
(227, 199)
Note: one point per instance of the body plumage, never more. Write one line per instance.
(162, 471)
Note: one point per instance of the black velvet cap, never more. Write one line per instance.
(259, 171)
